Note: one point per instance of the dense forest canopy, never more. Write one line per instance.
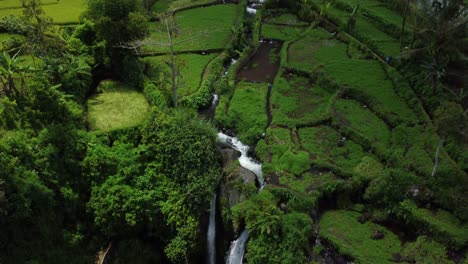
(205, 131)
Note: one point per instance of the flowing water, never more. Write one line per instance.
(211, 235)
(244, 160)
(237, 250)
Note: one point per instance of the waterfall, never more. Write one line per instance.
(244, 160)
(211, 235)
(215, 100)
(236, 252)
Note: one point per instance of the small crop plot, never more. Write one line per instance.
(414, 147)
(116, 106)
(366, 31)
(199, 29)
(191, 68)
(386, 14)
(359, 118)
(443, 225)
(351, 238)
(280, 32)
(247, 111)
(369, 77)
(161, 6)
(308, 181)
(296, 101)
(286, 156)
(264, 65)
(286, 19)
(326, 146)
(315, 48)
(61, 12)
(385, 43)
(12, 4)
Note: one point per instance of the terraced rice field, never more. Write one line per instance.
(61, 11)
(197, 30)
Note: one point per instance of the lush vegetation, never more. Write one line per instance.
(109, 115)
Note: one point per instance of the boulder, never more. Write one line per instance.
(247, 176)
(378, 235)
(229, 155)
(284, 207)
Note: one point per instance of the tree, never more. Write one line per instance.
(119, 21)
(9, 68)
(451, 124)
(391, 188)
(169, 38)
(403, 24)
(73, 72)
(442, 33)
(40, 39)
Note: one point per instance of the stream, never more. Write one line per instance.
(237, 249)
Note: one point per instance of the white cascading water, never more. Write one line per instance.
(244, 160)
(236, 252)
(211, 235)
(233, 61)
(215, 100)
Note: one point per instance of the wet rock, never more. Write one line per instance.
(284, 207)
(397, 257)
(229, 156)
(377, 235)
(364, 218)
(231, 195)
(230, 189)
(247, 176)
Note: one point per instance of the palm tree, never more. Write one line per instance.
(443, 31)
(403, 25)
(9, 67)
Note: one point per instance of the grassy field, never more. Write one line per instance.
(441, 224)
(198, 29)
(11, 4)
(161, 6)
(353, 239)
(62, 12)
(363, 121)
(191, 70)
(115, 106)
(349, 73)
(280, 32)
(247, 111)
(286, 19)
(318, 50)
(366, 31)
(295, 101)
(326, 146)
(315, 48)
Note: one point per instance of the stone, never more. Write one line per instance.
(283, 207)
(247, 176)
(229, 156)
(378, 235)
